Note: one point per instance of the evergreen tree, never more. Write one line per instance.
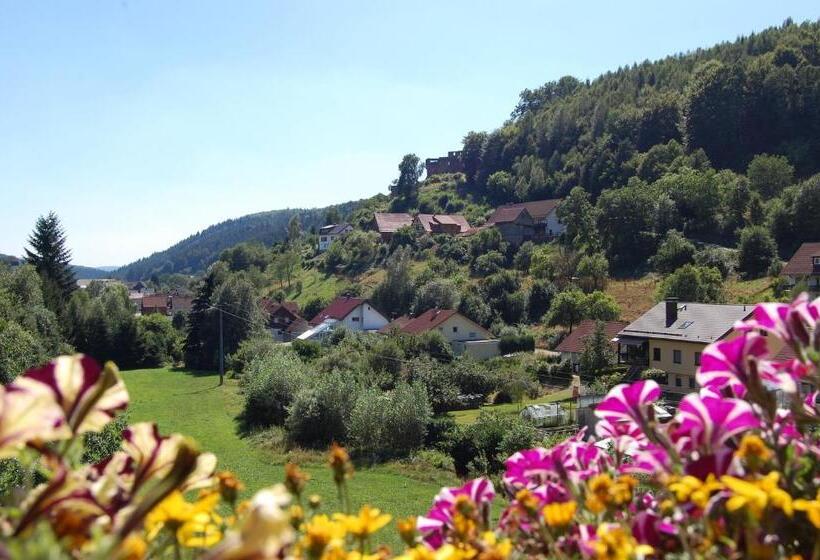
(52, 259)
(201, 342)
(597, 354)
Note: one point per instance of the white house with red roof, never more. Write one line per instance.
(804, 266)
(357, 314)
(463, 334)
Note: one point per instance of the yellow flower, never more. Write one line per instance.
(315, 501)
(527, 501)
(598, 492)
(494, 550)
(407, 530)
(174, 512)
(297, 515)
(132, 548)
(559, 514)
(614, 542)
(340, 463)
(755, 496)
(811, 508)
(201, 531)
(621, 491)
(368, 521)
(320, 533)
(692, 489)
(419, 552)
(450, 552)
(752, 447)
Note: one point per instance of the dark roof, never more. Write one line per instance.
(427, 221)
(696, 322)
(155, 300)
(801, 262)
(574, 341)
(389, 223)
(338, 309)
(334, 229)
(505, 214)
(427, 321)
(298, 326)
(287, 307)
(538, 209)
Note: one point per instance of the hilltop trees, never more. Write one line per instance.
(52, 259)
(756, 251)
(410, 170)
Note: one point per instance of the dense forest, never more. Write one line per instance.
(195, 253)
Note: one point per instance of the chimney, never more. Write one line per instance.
(671, 310)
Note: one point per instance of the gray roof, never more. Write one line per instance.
(696, 322)
(334, 229)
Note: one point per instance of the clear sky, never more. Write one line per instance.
(141, 122)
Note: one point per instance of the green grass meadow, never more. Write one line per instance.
(196, 405)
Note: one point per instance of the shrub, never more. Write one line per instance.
(488, 263)
(19, 351)
(520, 342)
(442, 390)
(693, 283)
(319, 414)
(440, 293)
(250, 349)
(314, 305)
(307, 349)
(392, 423)
(716, 257)
(756, 251)
(439, 430)
(270, 383)
(674, 252)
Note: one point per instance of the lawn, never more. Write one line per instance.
(195, 404)
(471, 415)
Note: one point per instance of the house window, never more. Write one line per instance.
(691, 382)
(455, 329)
(656, 354)
(472, 335)
(678, 381)
(815, 261)
(697, 358)
(676, 356)
(324, 238)
(355, 319)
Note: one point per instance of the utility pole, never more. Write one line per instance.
(221, 350)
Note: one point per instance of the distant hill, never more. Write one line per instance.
(90, 272)
(10, 260)
(198, 251)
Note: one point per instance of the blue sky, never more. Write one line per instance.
(142, 122)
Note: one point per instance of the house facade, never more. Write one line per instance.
(280, 317)
(155, 303)
(539, 223)
(388, 223)
(465, 336)
(329, 234)
(671, 338)
(804, 267)
(572, 346)
(357, 314)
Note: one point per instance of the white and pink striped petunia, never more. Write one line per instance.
(793, 323)
(434, 526)
(705, 421)
(88, 395)
(27, 416)
(628, 405)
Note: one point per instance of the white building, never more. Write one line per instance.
(329, 234)
(357, 314)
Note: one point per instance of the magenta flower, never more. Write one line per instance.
(725, 364)
(529, 469)
(628, 404)
(707, 421)
(434, 526)
(792, 323)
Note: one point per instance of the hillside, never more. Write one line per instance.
(89, 272)
(196, 252)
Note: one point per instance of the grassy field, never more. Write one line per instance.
(195, 404)
(471, 415)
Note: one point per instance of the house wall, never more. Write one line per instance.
(364, 318)
(458, 329)
(812, 281)
(477, 349)
(515, 233)
(553, 226)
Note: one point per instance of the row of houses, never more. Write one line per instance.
(358, 314)
(526, 221)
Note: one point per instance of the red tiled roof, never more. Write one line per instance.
(801, 262)
(427, 321)
(397, 324)
(538, 209)
(289, 307)
(574, 341)
(427, 221)
(155, 300)
(390, 223)
(298, 326)
(338, 309)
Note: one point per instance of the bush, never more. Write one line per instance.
(756, 251)
(19, 351)
(439, 430)
(693, 283)
(270, 383)
(521, 342)
(442, 389)
(307, 349)
(319, 414)
(251, 349)
(716, 257)
(674, 252)
(488, 263)
(314, 305)
(392, 423)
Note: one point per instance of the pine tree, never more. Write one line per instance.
(52, 259)
(200, 352)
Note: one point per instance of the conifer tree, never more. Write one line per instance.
(52, 259)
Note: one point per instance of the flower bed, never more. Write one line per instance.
(734, 474)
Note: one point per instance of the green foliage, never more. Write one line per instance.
(410, 170)
(52, 259)
(578, 215)
(510, 343)
(440, 293)
(717, 257)
(308, 349)
(395, 294)
(794, 215)
(98, 446)
(19, 351)
(158, 342)
(474, 306)
(572, 306)
(693, 283)
(270, 382)
(481, 448)
(769, 174)
(320, 412)
(756, 251)
(592, 272)
(243, 256)
(541, 294)
(674, 252)
(523, 257)
(313, 306)
(597, 354)
(250, 349)
(486, 264)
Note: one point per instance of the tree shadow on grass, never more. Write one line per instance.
(197, 373)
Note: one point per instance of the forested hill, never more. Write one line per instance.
(195, 253)
(757, 94)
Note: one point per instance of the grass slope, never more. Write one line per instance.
(194, 404)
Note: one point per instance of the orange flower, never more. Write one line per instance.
(407, 530)
(295, 479)
(229, 486)
(340, 463)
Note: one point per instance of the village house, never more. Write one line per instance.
(804, 267)
(464, 335)
(671, 337)
(389, 223)
(155, 303)
(281, 316)
(329, 234)
(449, 224)
(180, 304)
(528, 221)
(572, 346)
(356, 314)
(451, 163)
